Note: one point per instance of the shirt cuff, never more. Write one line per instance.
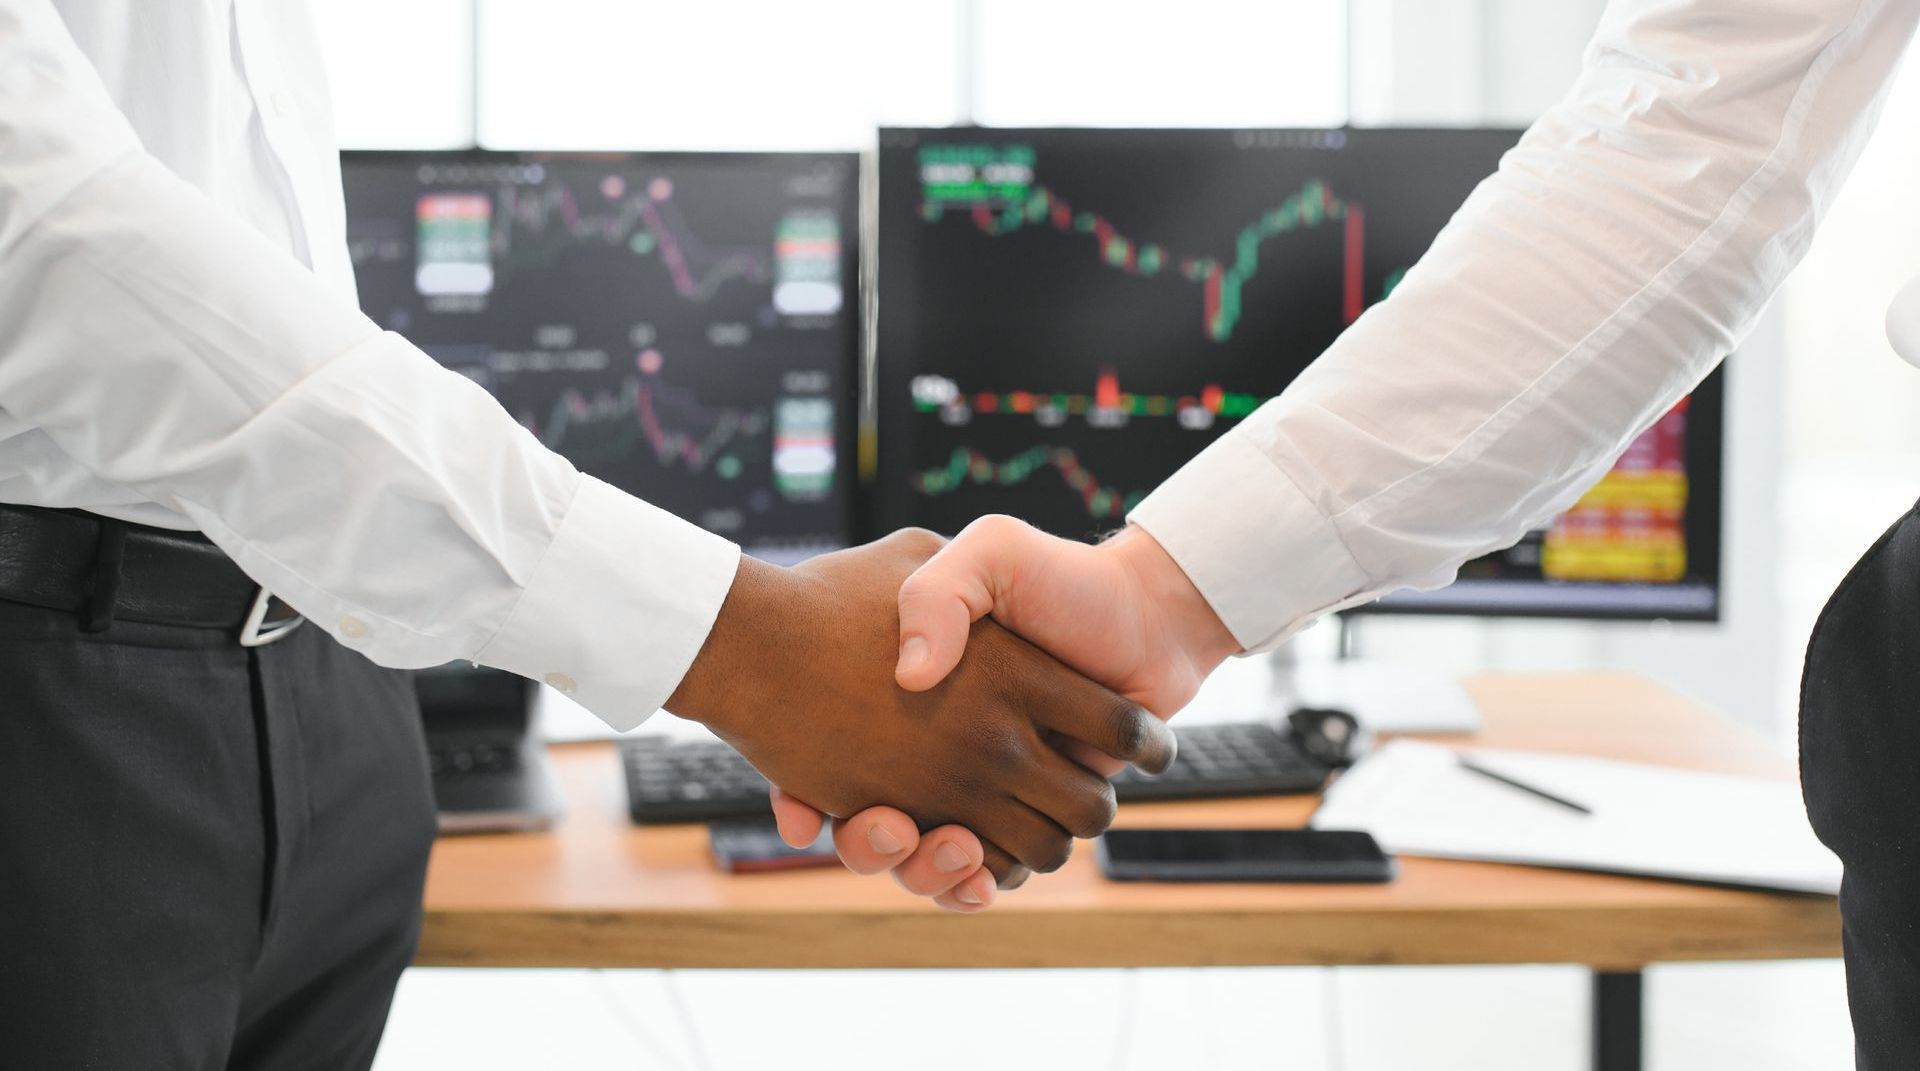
(618, 607)
(1262, 554)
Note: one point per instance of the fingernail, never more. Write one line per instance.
(913, 654)
(882, 841)
(966, 895)
(949, 858)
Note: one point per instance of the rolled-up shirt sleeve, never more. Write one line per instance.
(166, 346)
(1622, 249)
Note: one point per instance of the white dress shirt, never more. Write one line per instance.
(180, 346)
(1626, 244)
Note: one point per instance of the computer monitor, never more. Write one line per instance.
(683, 326)
(1065, 317)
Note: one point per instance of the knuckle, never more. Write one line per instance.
(918, 540)
(994, 680)
(1052, 855)
(1004, 750)
(960, 785)
(986, 524)
(919, 595)
(998, 863)
(1102, 809)
(993, 527)
(930, 595)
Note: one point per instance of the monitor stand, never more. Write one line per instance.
(1384, 696)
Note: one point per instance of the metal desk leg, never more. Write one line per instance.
(1619, 1042)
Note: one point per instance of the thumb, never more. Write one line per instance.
(799, 824)
(947, 594)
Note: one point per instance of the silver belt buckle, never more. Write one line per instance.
(256, 632)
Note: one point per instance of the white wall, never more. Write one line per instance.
(1463, 62)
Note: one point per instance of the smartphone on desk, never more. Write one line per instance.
(1289, 855)
(753, 846)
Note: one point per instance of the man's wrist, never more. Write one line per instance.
(717, 690)
(1193, 625)
(615, 637)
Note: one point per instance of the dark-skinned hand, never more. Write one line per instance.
(798, 676)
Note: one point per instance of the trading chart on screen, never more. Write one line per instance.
(679, 325)
(1067, 316)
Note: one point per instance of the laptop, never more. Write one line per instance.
(490, 771)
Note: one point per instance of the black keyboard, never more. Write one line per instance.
(689, 781)
(1252, 758)
(702, 780)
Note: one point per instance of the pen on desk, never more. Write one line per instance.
(1470, 766)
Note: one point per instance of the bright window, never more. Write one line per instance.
(1196, 63)
(733, 74)
(402, 74)
(566, 74)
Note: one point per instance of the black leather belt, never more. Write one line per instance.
(103, 570)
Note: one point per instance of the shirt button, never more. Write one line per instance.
(279, 103)
(561, 683)
(352, 627)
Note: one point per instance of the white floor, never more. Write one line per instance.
(1767, 1017)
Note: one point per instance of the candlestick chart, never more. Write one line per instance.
(1067, 316)
(1221, 281)
(676, 325)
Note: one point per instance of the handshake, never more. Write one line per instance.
(955, 707)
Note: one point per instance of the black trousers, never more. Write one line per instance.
(1860, 765)
(210, 857)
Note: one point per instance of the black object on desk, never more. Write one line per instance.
(690, 781)
(490, 773)
(753, 846)
(1470, 766)
(1236, 759)
(1291, 855)
(702, 780)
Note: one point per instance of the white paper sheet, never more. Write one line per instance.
(1416, 799)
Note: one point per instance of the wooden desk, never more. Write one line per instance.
(600, 892)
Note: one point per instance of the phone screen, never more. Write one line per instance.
(1243, 855)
